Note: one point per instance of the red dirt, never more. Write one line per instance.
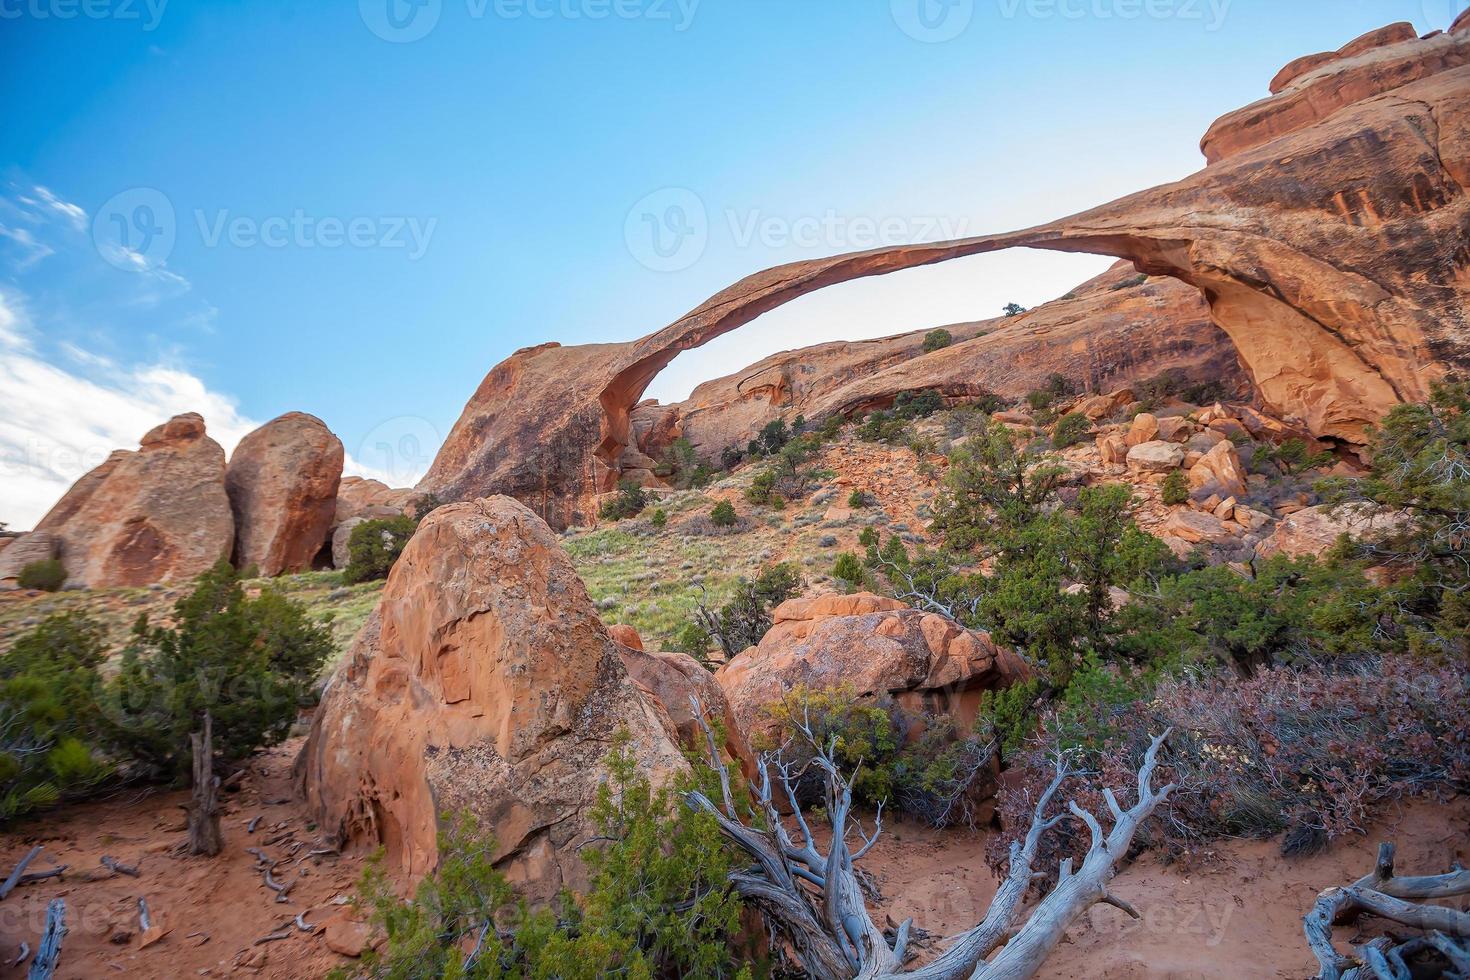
(214, 908)
(1240, 915)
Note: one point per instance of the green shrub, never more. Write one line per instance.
(250, 663)
(659, 518)
(930, 778)
(723, 514)
(770, 439)
(857, 500)
(1175, 489)
(868, 537)
(1013, 309)
(629, 502)
(49, 702)
(374, 546)
(849, 569)
(937, 339)
(1040, 398)
(1071, 429)
(48, 575)
(659, 901)
(762, 488)
(741, 622)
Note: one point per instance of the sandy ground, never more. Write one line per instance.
(1240, 915)
(213, 908)
(1237, 915)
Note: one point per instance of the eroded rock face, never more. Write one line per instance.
(155, 515)
(483, 681)
(282, 481)
(18, 552)
(876, 646)
(1327, 236)
(1314, 531)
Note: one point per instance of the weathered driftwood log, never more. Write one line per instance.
(49, 953)
(19, 871)
(204, 834)
(814, 901)
(1395, 899)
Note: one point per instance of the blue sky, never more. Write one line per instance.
(365, 220)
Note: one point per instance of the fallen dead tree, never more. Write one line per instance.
(1440, 947)
(814, 901)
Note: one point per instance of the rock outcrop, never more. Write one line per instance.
(282, 481)
(875, 646)
(1326, 236)
(22, 551)
(1314, 531)
(483, 681)
(155, 515)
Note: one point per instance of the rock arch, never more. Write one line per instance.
(1333, 248)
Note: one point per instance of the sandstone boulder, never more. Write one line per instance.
(359, 497)
(158, 514)
(876, 646)
(1113, 448)
(626, 635)
(1155, 457)
(1194, 527)
(484, 681)
(1099, 407)
(22, 551)
(1314, 531)
(1143, 428)
(342, 538)
(672, 679)
(1220, 472)
(282, 481)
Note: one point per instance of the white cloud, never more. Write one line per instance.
(71, 212)
(30, 250)
(56, 424)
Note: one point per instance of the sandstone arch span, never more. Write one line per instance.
(1332, 246)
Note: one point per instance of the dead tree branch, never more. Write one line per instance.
(815, 903)
(204, 833)
(1401, 900)
(48, 955)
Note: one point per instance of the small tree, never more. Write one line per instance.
(723, 514)
(47, 575)
(857, 500)
(937, 339)
(1071, 429)
(629, 502)
(374, 546)
(849, 569)
(49, 714)
(247, 663)
(747, 617)
(1175, 489)
(659, 518)
(1014, 309)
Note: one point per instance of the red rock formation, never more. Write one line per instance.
(874, 645)
(282, 481)
(1327, 237)
(18, 552)
(155, 515)
(1108, 333)
(483, 681)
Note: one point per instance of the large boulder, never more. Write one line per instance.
(361, 497)
(1156, 456)
(1219, 472)
(282, 481)
(22, 551)
(484, 681)
(873, 645)
(673, 680)
(1314, 531)
(158, 514)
